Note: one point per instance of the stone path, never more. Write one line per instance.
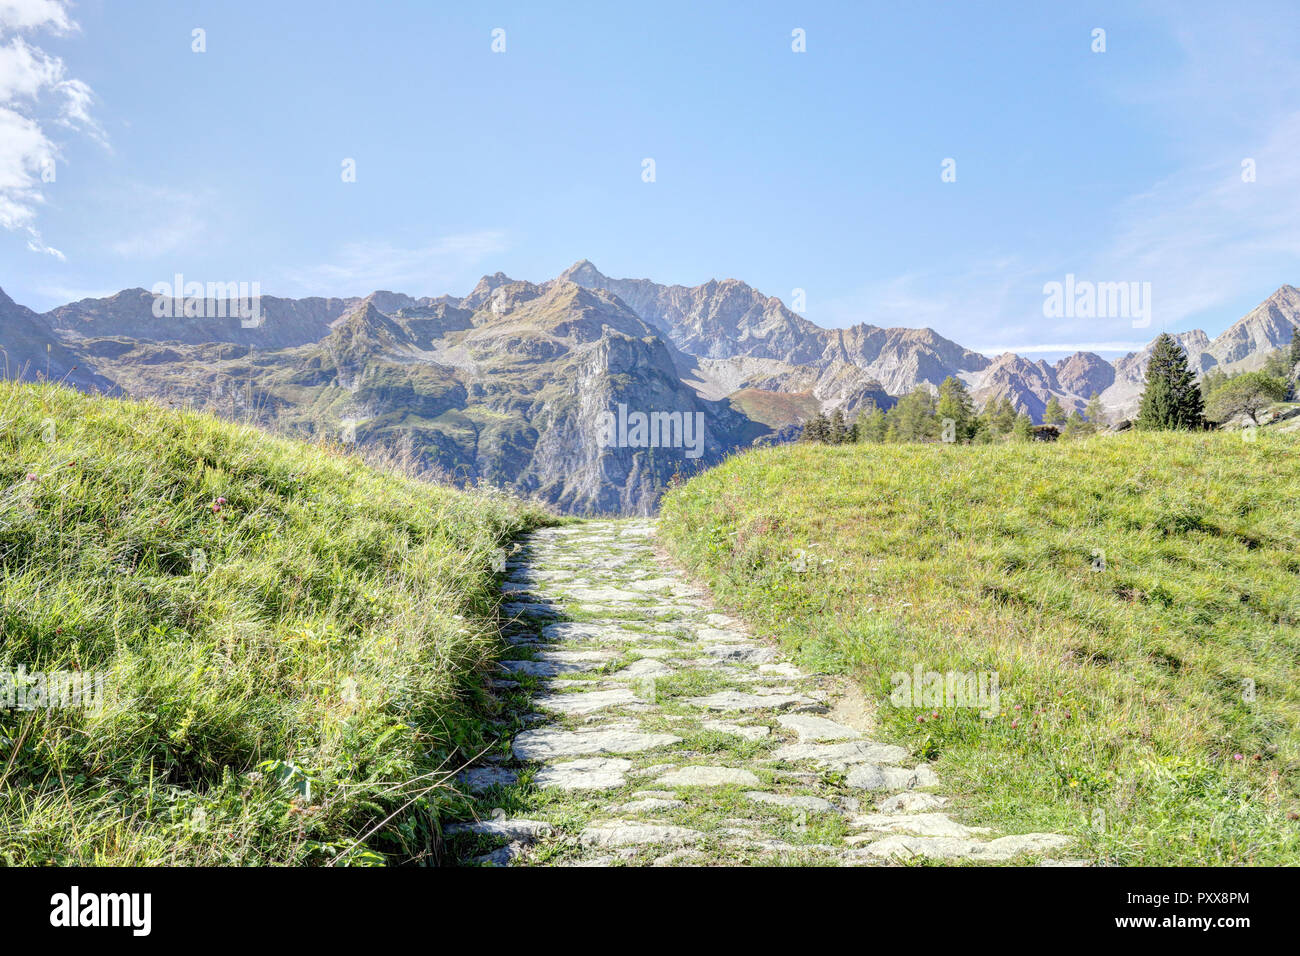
(644, 728)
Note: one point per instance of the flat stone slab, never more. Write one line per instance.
(781, 670)
(812, 728)
(748, 653)
(748, 731)
(644, 668)
(722, 635)
(501, 856)
(840, 756)
(575, 631)
(1004, 848)
(708, 777)
(867, 776)
(605, 596)
(652, 585)
(518, 608)
(478, 779)
(544, 744)
(540, 668)
(917, 824)
(793, 801)
(912, 801)
(650, 805)
(636, 833)
(585, 703)
(596, 773)
(735, 700)
(521, 831)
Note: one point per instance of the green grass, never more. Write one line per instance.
(1125, 589)
(290, 675)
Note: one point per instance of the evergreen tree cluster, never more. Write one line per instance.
(950, 417)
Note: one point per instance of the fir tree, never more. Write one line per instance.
(871, 425)
(816, 429)
(1022, 429)
(838, 430)
(1053, 414)
(1095, 413)
(1172, 399)
(955, 403)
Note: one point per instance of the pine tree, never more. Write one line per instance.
(816, 429)
(955, 403)
(1023, 428)
(1075, 426)
(1295, 346)
(1095, 413)
(1053, 414)
(838, 430)
(871, 425)
(912, 419)
(1172, 399)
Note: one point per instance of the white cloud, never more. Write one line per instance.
(29, 78)
(362, 267)
(35, 14)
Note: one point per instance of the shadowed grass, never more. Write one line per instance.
(1137, 595)
(292, 641)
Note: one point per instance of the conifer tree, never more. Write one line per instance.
(955, 403)
(1053, 414)
(1172, 399)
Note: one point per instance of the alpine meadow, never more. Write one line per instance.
(855, 442)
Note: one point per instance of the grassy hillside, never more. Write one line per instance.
(293, 642)
(1126, 589)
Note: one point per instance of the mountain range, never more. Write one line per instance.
(509, 385)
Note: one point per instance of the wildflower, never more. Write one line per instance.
(1236, 756)
(1014, 723)
(31, 476)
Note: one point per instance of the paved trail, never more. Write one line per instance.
(650, 730)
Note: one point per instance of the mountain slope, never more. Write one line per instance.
(30, 350)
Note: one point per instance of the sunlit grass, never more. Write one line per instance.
(1138, 596)
(273, 618)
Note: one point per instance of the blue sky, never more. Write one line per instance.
(817, 170)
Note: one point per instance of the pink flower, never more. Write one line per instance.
(31, 476)
(920, 720)
(221, 501)
(1236, 756)
(1013, 724)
